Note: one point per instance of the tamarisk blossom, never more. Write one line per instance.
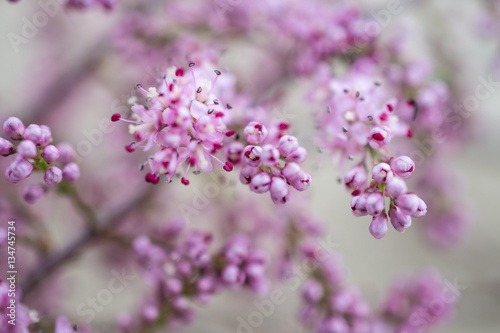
(185, 122)
(271, 161)
(34, 153)
(86, 4)
(182, 267)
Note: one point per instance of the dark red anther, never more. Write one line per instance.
(378, 137)
(130, 148)
(258, 126)
(116, 117)
(409, 133)
(284, 126)
(179, 72)
(390, 107)
(184, 181)
(230, 133)
(219, 114)
(228, 167)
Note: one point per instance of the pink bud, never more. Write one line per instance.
(375, 203)
(379, 137)
(302, 181)
(287, 145)
(50, 154)
(280, 193)
(32, 193)
(291, 171)
(270, 155)
(411, 204)
(46, 136)
(6, 147)
(71, 172)
(247, 173)
(358, 205)
(27, 149)
(312, 291)
(14, 128)
(255, 133)
(399, 221)
(66, 153)
(378, 227)
(396, 187)
(34, 133)
(355, 178)
(252, 155)
(297, 156)
(234, 152)
(382, 173)
(53, 175)
(260, 183)
(18, 170)
(403, 166)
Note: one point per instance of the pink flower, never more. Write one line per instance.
(255, 133)
(396, 187)
(399, 221)
(378, 227)
(411, 204)
(14, 128)
(6, 147)
(379, 137)
(280, 193)
(27, 149)
(18, 170)
(403, 166)
(53, 175)
(382, 173)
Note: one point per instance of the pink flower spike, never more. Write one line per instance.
(53, 175)
(27, 149)
(14, 128)
(6, 147)
(403, 166)
(379, 137)
(280, 193)
(378, 227)
(382, 173)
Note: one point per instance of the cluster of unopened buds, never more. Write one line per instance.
(388, 180)
(32, 152)
(84, 4)
(271, 161)
(185, 121)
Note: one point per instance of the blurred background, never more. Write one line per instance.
(67, 76)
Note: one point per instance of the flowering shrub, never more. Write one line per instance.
(242, 96)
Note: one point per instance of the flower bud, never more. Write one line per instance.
(302, 181)
(399, 221)
(53, 175)
(247, 173)
(411, 204)
(287, 145)
(27, 149)
(382, 173)
(270, 155)
(18, 170)
(379, 137)
(255, 133)
(291, 171)
(32, 193)
(297, 156)
(403, 166)
(50, 154)
(280, 193)
(252, 155)
(66, 153)
(375, 203)
(312, 291)
(6, 147)
(358, 205)
(14, 128)
(378, 227)
(396, 187)
(34, 133)
(46, 136)
(234, 152)
(260, 183)
(355, 178)
(71, 172)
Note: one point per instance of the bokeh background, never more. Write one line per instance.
(73, 50)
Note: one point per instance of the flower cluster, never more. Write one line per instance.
(387, 181)
(186, 269)
(271, 161)
(33, 153)
(186, 121)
